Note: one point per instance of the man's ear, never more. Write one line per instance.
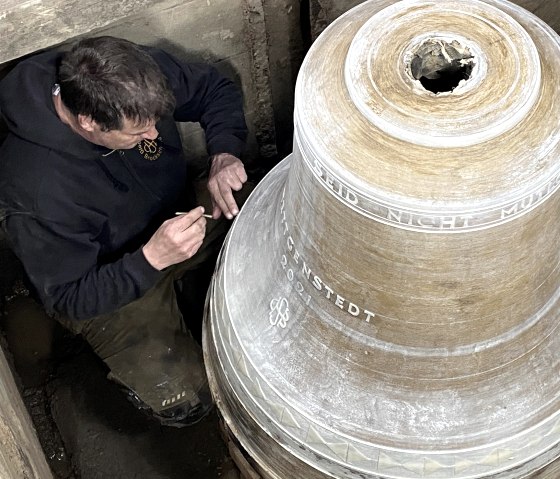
(86, 122)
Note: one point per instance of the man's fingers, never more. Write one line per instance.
(236, 183)
(191, 238)
(237, 176)
(185, 221)
(242, 174)
(216, 211)
(198, 228)
(229, 201)
(220, 201)
(214, 192)
(176, 239)
(222, 184)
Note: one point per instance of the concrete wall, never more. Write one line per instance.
(286, 28)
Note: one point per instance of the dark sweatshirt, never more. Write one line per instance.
(77, 214)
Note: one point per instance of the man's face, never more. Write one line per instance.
(127, 137)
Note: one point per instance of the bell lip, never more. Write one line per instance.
(529, 445)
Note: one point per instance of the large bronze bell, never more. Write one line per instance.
(386, 304)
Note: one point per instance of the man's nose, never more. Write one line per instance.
(151, 134)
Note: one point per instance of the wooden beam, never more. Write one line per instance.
(27, 26)
(20, 452)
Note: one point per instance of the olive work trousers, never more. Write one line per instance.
(147, 347)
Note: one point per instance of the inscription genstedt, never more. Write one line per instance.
(303, 269)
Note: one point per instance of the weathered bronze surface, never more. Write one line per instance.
(386, 304)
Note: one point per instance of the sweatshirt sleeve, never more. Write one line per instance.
(204, 95)
(63, 268)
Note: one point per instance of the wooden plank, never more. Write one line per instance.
(21, 455)
(247, 472)
(27, 26)
(238, 456)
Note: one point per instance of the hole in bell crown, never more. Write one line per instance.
(440, 65)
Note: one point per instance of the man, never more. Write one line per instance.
(91, 175)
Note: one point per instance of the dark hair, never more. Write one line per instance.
(110, 79)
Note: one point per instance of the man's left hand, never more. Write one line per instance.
(227, 174)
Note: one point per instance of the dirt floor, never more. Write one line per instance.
(86, 426)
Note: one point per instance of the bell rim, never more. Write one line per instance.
(508, 441)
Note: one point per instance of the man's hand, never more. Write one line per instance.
(227, 174)
(176, 239)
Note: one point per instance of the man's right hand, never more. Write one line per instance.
(176, 240)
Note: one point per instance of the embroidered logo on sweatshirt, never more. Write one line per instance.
(151, 149)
